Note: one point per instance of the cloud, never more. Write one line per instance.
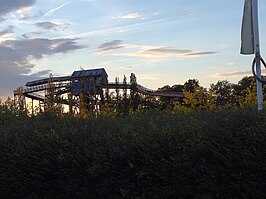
(7, 32)
(24, 10)
(115, 29)
(12, 5)
(22, 13)
(10, 79)
(134, 15)
(164, 52)
(39, 46)
(200, 53)
(108, 46)
(47, 25)
(16, 55)
(147, 51)
(147, 77)
(130, 67)
(52, 11)
(214, 67)
(167, 52)
(105, 63)
(230, 74)
(13, 69)
(11, 58)
(30, 34)
(230, 63)
(43, 73)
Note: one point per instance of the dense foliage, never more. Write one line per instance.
(222, 95)
(154, 154)
(123, 102)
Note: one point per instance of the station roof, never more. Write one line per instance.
(45, 80)
(89, 73)
(76, 74)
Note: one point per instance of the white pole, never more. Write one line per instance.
(257, 51)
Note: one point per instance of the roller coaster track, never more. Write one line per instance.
(41, 98)
(145, 91)
(35, 96)
(63, 85)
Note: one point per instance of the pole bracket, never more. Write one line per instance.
(260, 59)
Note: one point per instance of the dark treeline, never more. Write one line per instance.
(221, 95)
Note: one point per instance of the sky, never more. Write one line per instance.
(162, 42)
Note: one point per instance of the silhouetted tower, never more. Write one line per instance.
(88, 86)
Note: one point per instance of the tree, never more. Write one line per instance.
(50, 95)
(52, 102)
(223, 92)
(10, 105)
(83, 100)
(245, 91)
(125, 100)
(196, 99)
(191, 85)
(117, 90)
(177, 88)
(20, 101)
(70, 102)
(118, 97)
(169, 102)
(134, 97)
(149, 103)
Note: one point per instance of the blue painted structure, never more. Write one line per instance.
(89, 81)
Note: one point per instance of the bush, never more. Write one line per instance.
(147, 155)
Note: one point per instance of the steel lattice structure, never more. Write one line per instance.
(91, 83)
